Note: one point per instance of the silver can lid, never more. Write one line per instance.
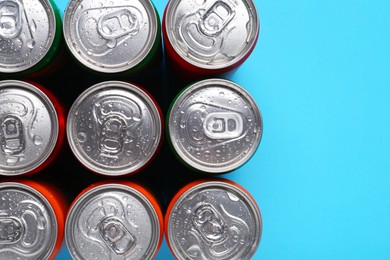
(28, 127)
(214, 220)
(110, 36)
(27, 32)
(215, 126)
(212, 34)
(28, 225)
(114, 128)
(112, 221)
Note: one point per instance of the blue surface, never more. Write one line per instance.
(320, 74)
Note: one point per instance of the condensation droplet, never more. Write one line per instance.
(81, 137)
(232, 196)
(30, 43)
(37, 140)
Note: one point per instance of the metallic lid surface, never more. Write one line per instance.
(114, 128)
(27, 32)
(212, 34)
(28, 127)
(110, 36)
(214, 220)
(215, 126)
(28, 226)
(112, 221)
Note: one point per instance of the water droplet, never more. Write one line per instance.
(137, 117)
(89, 52)
(111, 44)
(30, 43)
(222, 94)
(232, 196)
(37, 140)
(80, 6)
(88, 148)
(183, 124)
(81, 137)
(33, 26)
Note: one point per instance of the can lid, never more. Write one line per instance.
(112, 221)
(214, 220)
(26, 35)
(114, 128)
(28, 225)
(110, 36)
(28, 127)
(212, 34)
(215, 126)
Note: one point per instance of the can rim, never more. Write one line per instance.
(76, 209)
(198, 164)
(54, 127)
(170, 11)
(209, 184)
(110, 69)
(83, 158)
(39, 196)
(51, 35)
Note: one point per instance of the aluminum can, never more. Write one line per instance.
(32, 220)
(114, 128)
(112, 37)
(209, 37)
(214, 126)
(213, 220)
(30, 37)
(119, 220)
(32, 127)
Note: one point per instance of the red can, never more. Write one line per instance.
(32, 127)
(114, 219)
(213, 219)
(32, 220)
(209, 37)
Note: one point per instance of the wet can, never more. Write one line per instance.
(120, 220)
(214, 220)
(114, 128)
(30, 37)
(32, 127)
(32, 220)
(209, 37)
(214, 126)
(113, 37)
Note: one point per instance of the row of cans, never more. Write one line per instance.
(124, 37)
(207, 219)
(115, 128)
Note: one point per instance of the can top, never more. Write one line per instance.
(114, 128)
(112, 221)
(28, 226)
(212, 34)
(214, 220)
(26, 35)
(110, 36)
(28, 127)
(215, 126)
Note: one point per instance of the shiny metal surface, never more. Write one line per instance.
(114, 128)
(110, 36)
(28, 127)
(215, 221)
(212, 34)
(28, 226)
(26, 33)
(215, 126)
(112, 221)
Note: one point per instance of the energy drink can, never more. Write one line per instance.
(214, 220)
(209, 37)
(114, 128)
(30, 37)
(113, 37)
(32, 127)
(32, 220)
(214, 126)
(114, 221)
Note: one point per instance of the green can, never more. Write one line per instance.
(113, 37)
(30, 37)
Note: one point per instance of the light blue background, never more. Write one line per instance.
(320, 74)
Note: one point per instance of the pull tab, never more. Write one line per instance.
(223, 125)
(117, 24)
(11, 230)
(112, 136)
(215, 19)
(10, 19)
(209, 223)
(116, 236)
(12, 135)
